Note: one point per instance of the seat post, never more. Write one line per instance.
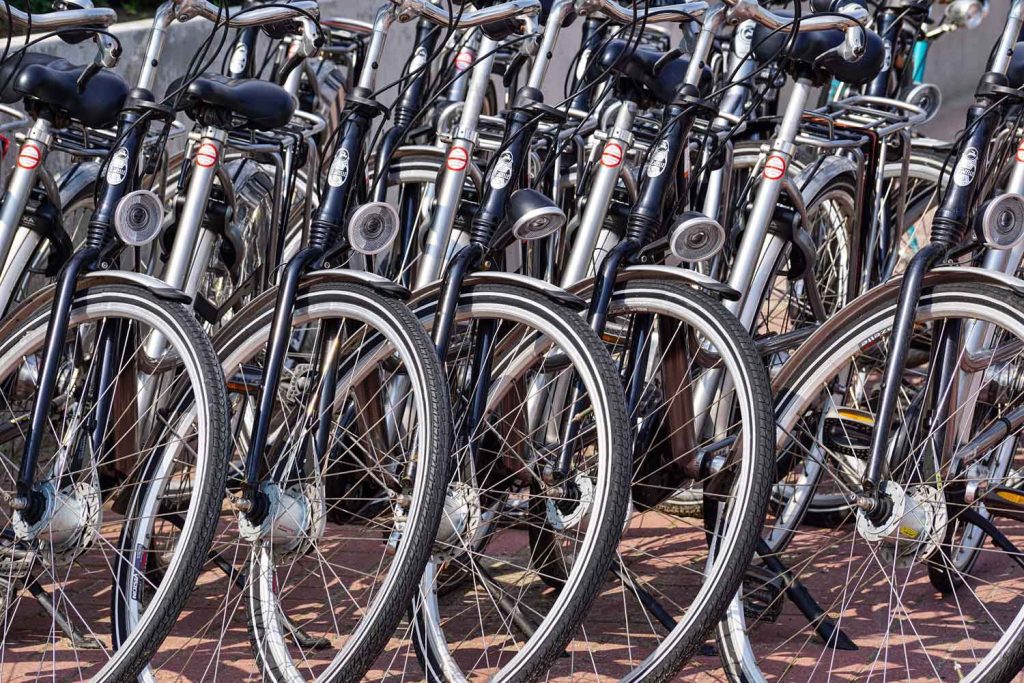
(30, 158)
(751, 258)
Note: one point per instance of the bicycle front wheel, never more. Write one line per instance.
(934, 587)
(352, 480)
(525, 545)
(73, 585)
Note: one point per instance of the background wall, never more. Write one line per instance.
(955, 62)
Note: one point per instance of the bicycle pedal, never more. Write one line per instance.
(848, 431)
(762, 594)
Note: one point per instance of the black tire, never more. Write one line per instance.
(437, 642)
(372, 624)
(123, 471)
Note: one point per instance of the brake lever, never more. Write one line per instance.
(308, 41)
(87, 74)
(107, 53)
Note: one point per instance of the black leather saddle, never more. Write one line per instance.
(54, 82)
(262, 105)
(809, 58)
(653, 75)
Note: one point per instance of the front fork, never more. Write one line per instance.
(954, 403)
(29, 502)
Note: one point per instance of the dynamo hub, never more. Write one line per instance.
(913, 527)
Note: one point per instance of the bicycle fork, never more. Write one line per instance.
(30, 503)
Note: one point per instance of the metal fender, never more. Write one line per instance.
(872, 299)
(683, 276)
(376, 282)
(549, 290)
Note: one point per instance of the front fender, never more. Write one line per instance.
(359, 277)
(873, 299)
(683, 276)
(549, 290)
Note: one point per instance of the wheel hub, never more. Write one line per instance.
(569, 512)
(460, 518)
(913, 527)
(69, 522)
(294, 520)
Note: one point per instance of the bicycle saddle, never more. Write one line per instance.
(54, 81)
(809, 58)
(1015, 71)
(654, 75)
(263, 105)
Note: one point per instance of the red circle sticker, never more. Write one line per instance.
(464, 59)
(612, 155)
(775, 167)
(458, 157)
(29, 156)
(1020, 151)
(206, 155)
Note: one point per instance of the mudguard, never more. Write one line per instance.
(549, 290)
(683, 276)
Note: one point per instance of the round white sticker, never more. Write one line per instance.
(339, 169)
(117, 170)
(458, 159)
(502, 173)
(612, 155)
(29, 156)
(774, 167)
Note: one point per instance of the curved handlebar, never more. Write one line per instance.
(850, 18)
(852, 15)
(410, 9)
(259, 16)
(686, 11)
(96, 17)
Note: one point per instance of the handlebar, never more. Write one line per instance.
(259, 16)
(108, 47)
(93, 17)
(410, 9)
(686, 11)
(852, 15)
(362, 28)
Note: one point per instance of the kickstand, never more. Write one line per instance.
(999, 539)
(495, 590)
(652, 605)
(805, 602)
(77, 639)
